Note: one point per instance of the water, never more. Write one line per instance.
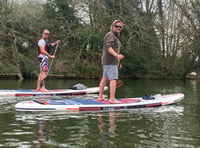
(173, 126)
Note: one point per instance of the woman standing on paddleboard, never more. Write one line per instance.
(110, 60)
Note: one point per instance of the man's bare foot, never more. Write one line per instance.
(43, 89)
(100, 99)
(114, 101)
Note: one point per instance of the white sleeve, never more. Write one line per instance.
(41, 43)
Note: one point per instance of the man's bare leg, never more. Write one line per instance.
(41, 76)
(101, 88)
(112, 92)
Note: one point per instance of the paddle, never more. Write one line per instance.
(119, 83)
(53, 59)
(43, 81)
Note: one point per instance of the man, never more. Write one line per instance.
(111, 60)
(43, 55)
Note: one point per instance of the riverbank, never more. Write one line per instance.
(53, 76)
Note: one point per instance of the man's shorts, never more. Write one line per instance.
(44, 64)
(110, 72)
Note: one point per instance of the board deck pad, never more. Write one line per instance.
(83, 102)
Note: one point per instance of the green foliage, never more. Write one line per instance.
(80, 49)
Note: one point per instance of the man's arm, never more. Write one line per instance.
(115, 54)
(42, 49)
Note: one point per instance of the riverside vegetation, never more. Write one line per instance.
(160, 38)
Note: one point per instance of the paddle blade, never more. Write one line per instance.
(119, 83)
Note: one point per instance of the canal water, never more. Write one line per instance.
(175, 126)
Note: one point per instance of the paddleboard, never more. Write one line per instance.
(95, 105)
(55, 92)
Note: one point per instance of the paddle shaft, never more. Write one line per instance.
(53, 59)
(119, 82)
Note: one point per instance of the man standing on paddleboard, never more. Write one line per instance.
(43, 54)
(111, 60)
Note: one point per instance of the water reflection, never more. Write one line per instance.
(107, 125)
(41, 133)
(54, 127)
(79, 126)
(107, 130)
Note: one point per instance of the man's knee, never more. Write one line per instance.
(45, 68)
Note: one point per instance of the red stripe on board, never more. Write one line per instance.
(165, 103)
(24, 95)
(76, 109)
(43, 102)
(90, 109)
(78, 93)
(127, 100)
(156, 104)
(58, 90)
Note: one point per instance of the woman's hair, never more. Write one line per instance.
(115, 22)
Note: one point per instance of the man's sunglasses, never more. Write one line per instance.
(46, 33)
(118, 26)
